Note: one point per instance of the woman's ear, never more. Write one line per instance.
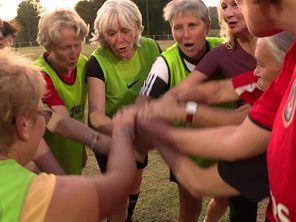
(208, 28)
(22, 125)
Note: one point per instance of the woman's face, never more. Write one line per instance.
(233, 17)
(190, 33)
(267, 68)
(121, 41)
(259, 17)
(65, 52)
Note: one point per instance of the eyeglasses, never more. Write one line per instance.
(46, 113)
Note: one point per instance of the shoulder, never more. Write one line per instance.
(150, 44)
(38, 197)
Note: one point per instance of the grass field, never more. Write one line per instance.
(87, 49)
(158, 201)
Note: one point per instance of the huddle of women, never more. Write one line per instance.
(140, 98)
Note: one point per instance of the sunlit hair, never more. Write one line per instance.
(189, 7)
(125, 12)
(279, 45)
(21, 89)
(225, 32)
(51, 23)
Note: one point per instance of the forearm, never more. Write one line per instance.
(222, 143)
(205, 116)
(121, 171)
(189, 173)
(122, 150)
(211, 92)
(45, 160)
(101, 122)
(75, 130)
(202, 181)
(209, 116)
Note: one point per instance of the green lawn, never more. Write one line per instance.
(35, 51)
(158, 201)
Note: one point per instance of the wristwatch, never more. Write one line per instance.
(191, 108)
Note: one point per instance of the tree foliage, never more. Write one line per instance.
(87, 9)
(27, 18)
(152, 11)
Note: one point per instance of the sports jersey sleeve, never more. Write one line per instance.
(264, 110)
(51, 97)
(246, 87)
(157, 82)
(38, 198)
(93, 69)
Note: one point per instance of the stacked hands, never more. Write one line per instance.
(146, 125)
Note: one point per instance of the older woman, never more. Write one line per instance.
(28, 197)
(116, 71)
(43, 161)
(190, 23)
(61, 32)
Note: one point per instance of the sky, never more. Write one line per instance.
(8, 8)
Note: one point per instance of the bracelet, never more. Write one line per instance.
(92, 142)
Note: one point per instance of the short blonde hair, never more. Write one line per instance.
(21, 89)
(196, 8)
(51, 22)
(125, 12)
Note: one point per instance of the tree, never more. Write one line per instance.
(27, 18)
(88, 11)
(152, 16)
(214, 17)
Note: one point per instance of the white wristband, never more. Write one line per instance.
(191, 108)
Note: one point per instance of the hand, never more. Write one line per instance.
(155, 131)
(244, 109)
(125, 117)
(165, 108)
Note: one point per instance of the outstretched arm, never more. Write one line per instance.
(75, 130)
(222, 143)
(92, 199)
(211, 92)
(205, 116)
(189, 174)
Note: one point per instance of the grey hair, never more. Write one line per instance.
(196, 8)
(279, 44)
(51, 22)
(125, 12)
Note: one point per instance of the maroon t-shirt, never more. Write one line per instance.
(227, 62)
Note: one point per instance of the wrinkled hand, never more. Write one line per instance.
(157, 132)
(164, 109)
(125, 117)
(125, 121)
